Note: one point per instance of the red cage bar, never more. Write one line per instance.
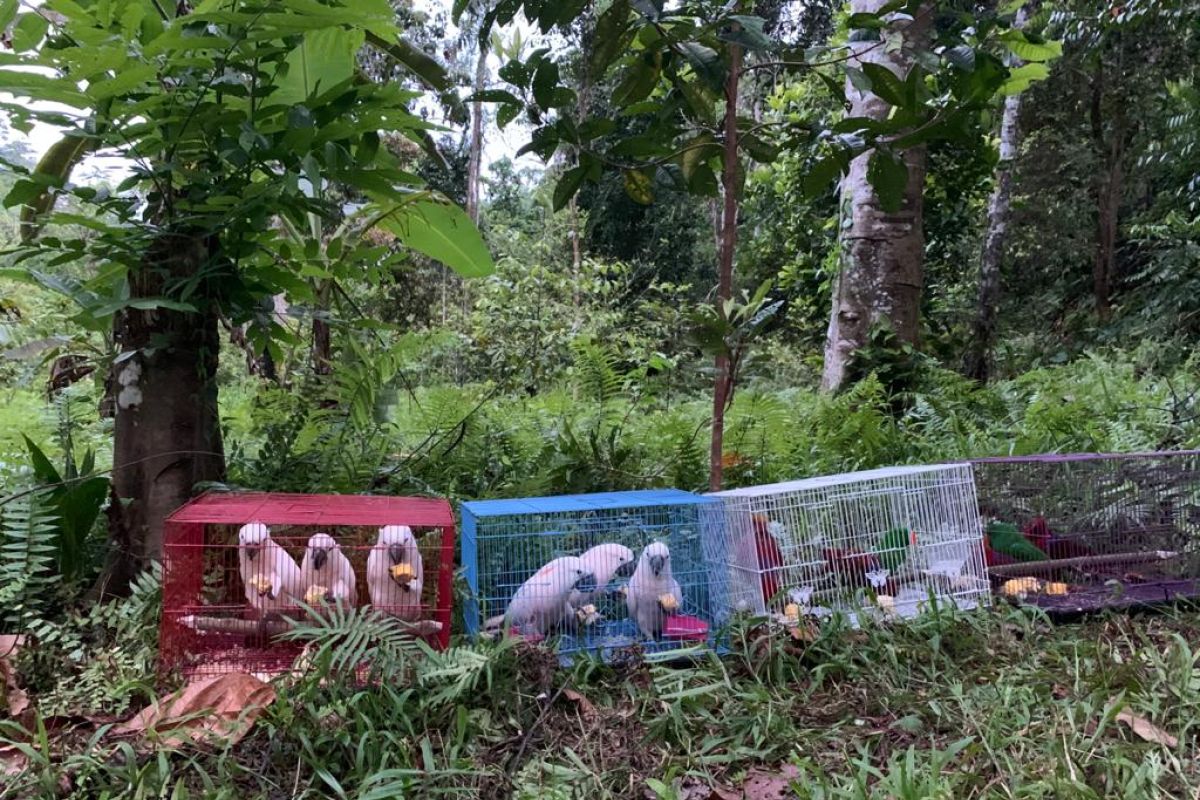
(208, 625)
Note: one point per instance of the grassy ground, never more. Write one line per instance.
(994, 704)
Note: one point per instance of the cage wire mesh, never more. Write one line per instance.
(1106, 530)
(223, 610)
(884, 542)
(596, 572)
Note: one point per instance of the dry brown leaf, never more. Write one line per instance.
(585, 706)
(764, 785)
(1147, 730)
(12, 760)
(218, 710)
(15, 699)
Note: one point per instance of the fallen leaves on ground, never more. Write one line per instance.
(15, 699)
(764, 784)
(12, 760)
(586, 709)
(1146, 729)
(218, 710)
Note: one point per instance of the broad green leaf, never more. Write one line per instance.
(858, 79)
(8, 12)
(1028, 50)
(506, 114)
(36, 86)
(639, 80)
(639, 185)
(889, 177)
(1023, 77)
(545, 81)
(749, 32)
(43, 470)
(611, 38)
(568, 185)
(442, 231)
(324, 58)
(141, 304)
(885, 85)
(706, 62)
(818, 178)
(126, 80)
(29, 32)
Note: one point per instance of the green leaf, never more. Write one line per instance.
(836, 87)
(1023, 77)
(545, 81)
(29, 32)
(506, 114)
(706, 62)
(858, 79)
(8, 12)
(889, 177)
(568, 185)
(1027, 49)
(325, 58)
(142, 304)
(43, 470)
(885, 84)
(818, 178)
(36, 86)
(746, 31)
(442, 231)
(639, 185)
(640, 79)
(611, 38)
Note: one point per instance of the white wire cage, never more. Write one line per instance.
(887, 542)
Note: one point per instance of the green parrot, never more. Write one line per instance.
(892, 549)
(1006, 543)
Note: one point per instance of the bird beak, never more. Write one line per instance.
(319, 557)
(398, 553)
(656, 564)
(586, 582)
(626, 569)
(252, 552)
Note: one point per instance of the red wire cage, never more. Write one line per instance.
(208, 625)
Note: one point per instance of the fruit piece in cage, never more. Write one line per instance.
(588, 615)
(260, 584)
(1020, 587)
(316, 595)
(1056, 588)
(792, 613)
(403, 573)
(668, 602)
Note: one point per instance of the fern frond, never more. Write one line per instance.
(29, 531)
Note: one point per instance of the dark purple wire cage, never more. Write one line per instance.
(1113, 530)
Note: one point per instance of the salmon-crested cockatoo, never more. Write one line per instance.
(653, 594)
(396, 573)
(328, 574)
(606, 562)
(272, 580)
(543, 601)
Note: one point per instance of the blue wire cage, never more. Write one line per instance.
(505, 543)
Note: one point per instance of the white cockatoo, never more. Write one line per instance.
(605, 562)
(272, 580)
(543, 601)
(328, 574)
(396, 573)
(653, 593)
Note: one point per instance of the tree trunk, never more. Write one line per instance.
(167, 435)
(475, 154)
(322, 336)
(881, 274)
(977, 362)
(727, 244)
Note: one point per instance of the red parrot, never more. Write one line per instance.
(770, 559)
(1038, 532)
